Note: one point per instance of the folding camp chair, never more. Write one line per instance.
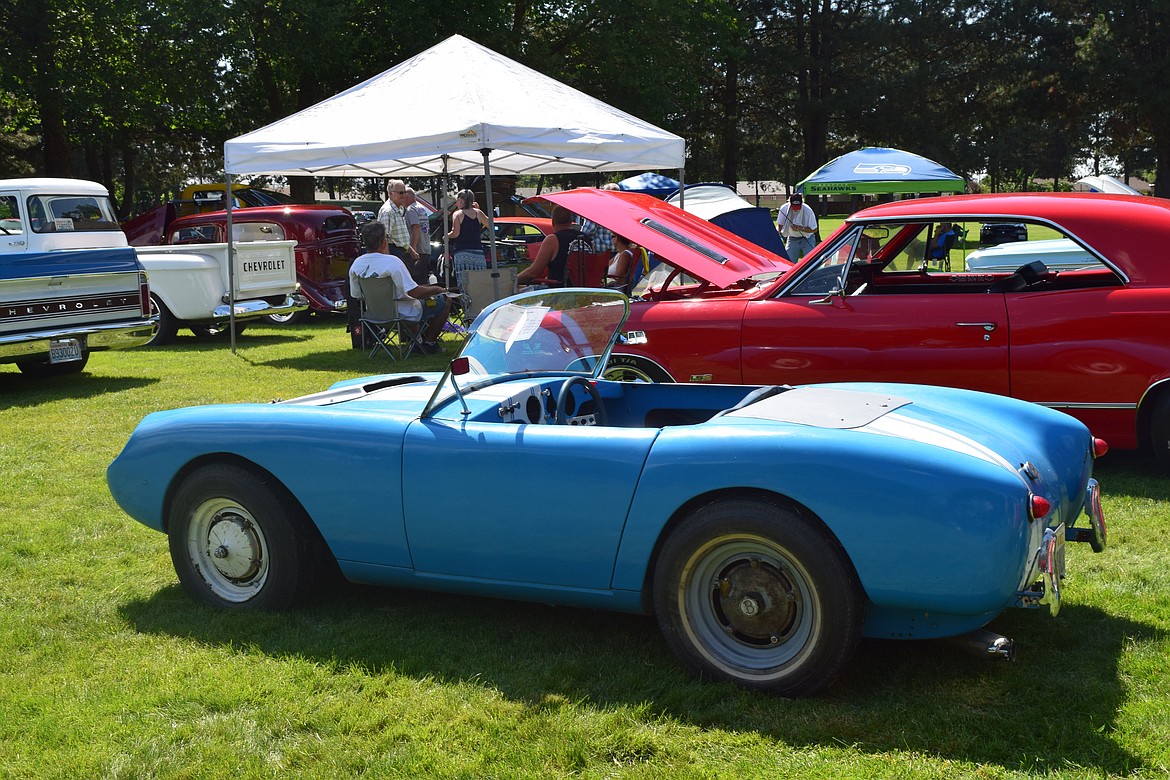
(480, 290)
(382, 321)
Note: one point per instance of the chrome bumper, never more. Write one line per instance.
(95, 338)
(246, 310)
(1096, 535)
(1050, 556)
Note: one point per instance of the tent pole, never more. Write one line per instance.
(682, 188)
(448, 261)
(231, 258)
(491, 215)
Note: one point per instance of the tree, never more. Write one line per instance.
(1126, 48)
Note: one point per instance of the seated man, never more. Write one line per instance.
(417, 303)
(552, 257)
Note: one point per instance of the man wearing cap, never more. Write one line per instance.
(798, 227)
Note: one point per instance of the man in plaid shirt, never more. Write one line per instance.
(393, 216)
(602, 238)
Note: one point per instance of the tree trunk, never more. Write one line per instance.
(1162, 167)
(302, 189)
(54, 136)
(731, 123)
(129, 180)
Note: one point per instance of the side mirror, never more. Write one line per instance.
(460, 366)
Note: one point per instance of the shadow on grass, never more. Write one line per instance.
(1053, 708)
(359, 364)
(1132, 473)
(18, 390)
(191, 343)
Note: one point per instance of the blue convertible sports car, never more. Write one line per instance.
(767, 528)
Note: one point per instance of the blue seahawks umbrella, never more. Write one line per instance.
(879, 170)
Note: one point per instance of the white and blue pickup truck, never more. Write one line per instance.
(64, 294)
(70, 284)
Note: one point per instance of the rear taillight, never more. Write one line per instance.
(1100, 447)
(143, 294)
(1039, 506)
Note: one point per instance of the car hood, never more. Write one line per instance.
(700, 248)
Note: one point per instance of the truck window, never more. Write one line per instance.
(196, 234)
(10, 215)
(71, 213)
(257, 231)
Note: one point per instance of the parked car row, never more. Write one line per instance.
(767, 577)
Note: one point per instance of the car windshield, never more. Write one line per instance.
(568, 331)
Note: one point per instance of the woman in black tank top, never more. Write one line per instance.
(467, 224)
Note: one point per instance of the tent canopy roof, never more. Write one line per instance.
(710, 200)
(458, 98)
(650, 184)
(1107, 183)
(879, 170)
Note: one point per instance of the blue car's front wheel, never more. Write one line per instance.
(237, 539)
(757, 593)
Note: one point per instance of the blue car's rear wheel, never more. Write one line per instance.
(239, 540)
(758, 594)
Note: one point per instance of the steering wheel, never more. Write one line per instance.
(565, 395)
(657, 295)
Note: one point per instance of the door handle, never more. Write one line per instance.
(987, 326)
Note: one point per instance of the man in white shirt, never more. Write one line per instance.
(417, 302)
(798, 227)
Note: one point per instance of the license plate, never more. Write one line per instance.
(64, 350)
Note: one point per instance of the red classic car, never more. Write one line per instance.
(326, 239)
(517, 238)
(881, 299)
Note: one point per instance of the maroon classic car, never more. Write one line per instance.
(1076, 317)
(326, 239)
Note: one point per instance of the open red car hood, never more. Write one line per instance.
(703, 250)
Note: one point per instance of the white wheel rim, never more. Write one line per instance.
(759, 632)
(228, 549)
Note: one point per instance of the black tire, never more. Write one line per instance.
(43, 369)
(630, 368)
(292, 318)
(216, 332)
(167, 326)
(239, 541)
(1160, 431)
(758, 594)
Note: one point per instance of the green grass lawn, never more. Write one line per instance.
(107, 670)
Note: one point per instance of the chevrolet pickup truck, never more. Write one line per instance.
(68, 286)
(325, 238)
(189, 286)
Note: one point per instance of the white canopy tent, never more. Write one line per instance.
(457, 108)
(439, 111)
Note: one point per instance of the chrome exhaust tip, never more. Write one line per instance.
(985, 644)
